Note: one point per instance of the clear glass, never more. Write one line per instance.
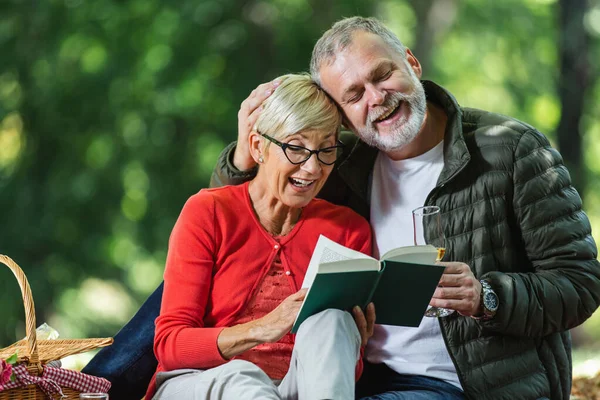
(430, 217)
(95, 396)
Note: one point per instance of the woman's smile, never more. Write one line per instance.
(301, 184)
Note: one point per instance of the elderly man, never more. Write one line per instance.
(522, 267)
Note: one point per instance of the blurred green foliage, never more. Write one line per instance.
(113, 112)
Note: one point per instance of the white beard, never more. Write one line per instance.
(405, 129)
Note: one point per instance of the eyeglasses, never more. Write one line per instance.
(298, 154)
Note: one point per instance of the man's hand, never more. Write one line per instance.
(458, 290)
(247, 116)
(364, 323)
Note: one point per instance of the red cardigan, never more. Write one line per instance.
(218, 253)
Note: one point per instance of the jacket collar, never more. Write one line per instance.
(356, 169)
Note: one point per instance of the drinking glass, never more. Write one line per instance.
(94, 396)
(427, 229)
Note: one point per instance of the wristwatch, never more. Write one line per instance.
(489, 301)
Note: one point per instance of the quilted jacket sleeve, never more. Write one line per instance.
(564, 288)
(225, 173)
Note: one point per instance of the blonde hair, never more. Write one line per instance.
(298, 104)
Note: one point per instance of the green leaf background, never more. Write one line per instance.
(113, 112)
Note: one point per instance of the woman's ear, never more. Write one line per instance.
(255, 143)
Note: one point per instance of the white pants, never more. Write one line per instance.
(322, 366)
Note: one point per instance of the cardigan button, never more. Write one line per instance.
(288, 273)
(276, 247)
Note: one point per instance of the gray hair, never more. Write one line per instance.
(339, 37)
(298, 104)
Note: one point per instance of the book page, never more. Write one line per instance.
(336, 277)
(350, 265)
(413, 254)
(329, 252)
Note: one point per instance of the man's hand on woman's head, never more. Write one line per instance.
(247, 117)
(365, 322)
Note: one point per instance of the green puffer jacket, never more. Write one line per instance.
(511, 214)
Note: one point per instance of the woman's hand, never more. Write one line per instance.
(247, 117)
(237, 339)
(365, 322)
(278, 322)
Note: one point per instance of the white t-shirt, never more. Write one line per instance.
(398, 188)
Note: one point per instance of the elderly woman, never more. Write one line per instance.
(237, 258)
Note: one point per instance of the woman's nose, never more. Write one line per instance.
(312, 165)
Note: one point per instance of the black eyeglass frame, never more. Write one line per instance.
(284, 146)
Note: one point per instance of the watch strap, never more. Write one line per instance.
(487, 314)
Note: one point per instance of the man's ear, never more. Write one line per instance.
(414, 63)
(255, 143)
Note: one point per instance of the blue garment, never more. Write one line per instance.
(129, 362)
(379, 382)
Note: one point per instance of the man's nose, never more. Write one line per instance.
(376, 96)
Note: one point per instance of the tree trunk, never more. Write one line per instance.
(434, 18)
(573, 81)
(575, 77)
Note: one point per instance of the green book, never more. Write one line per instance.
(400, 285)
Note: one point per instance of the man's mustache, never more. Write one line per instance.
(391, 102)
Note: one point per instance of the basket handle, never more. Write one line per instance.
(34, 360)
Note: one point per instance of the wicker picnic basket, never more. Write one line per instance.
(36, 353)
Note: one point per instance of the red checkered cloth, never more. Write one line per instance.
(53, 378)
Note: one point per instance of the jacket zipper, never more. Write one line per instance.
(442, 329)
(428, 202)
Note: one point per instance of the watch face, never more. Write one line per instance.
(490, 301)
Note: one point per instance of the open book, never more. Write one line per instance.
(401, 284)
